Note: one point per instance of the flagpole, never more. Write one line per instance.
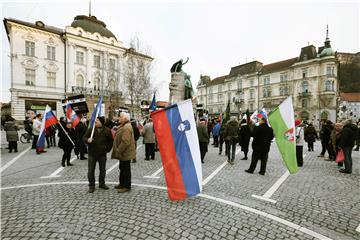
(64, 130)
(92, 131)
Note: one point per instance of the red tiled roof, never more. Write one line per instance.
(218, 80)
(276, 66)
(350, 97)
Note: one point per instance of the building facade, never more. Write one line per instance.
(49, 64)
(311, 79)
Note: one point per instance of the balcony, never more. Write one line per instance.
(91, 91)
(304, 94)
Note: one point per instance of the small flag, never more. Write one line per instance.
(153, 104)
(96, 112)
(283, 123)
(48, 120)
(71, 116)
(178, 141)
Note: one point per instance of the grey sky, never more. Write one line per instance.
(215, 35)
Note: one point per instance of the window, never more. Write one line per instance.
(50, 53)
(305, 87)
(251, 107)
(304, 73)
(96, 61)
(252, 94)
(29, 48)
(112, 85)
(29, 77)
(97, 84)
(229, 96)
(329, 85)
(330, 70)
(220, 97)
(304, 103)
(305, 57)
(283, 77)
(79, 81)
(281, 91)
(112, 64)
(267, 80)
(51, 79)
(220, 88)
(266, 92)
(239, 84)
(79, 57)
(251, 83)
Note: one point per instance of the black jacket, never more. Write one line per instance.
(348, 135)
(80, 130)
(64, 141)
(244, 135)
(102, 141)
(262, 134)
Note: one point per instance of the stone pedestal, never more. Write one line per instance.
(177, 87)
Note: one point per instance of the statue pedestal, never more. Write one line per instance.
(177, 87)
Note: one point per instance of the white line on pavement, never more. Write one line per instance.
(117, 164)
(14, 160)
(230, 203)
(273, 188)
(55, 174)
(155, 173)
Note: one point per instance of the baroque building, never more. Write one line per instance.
(311, 79)
(49, 64)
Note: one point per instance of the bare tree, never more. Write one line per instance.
(137, 75)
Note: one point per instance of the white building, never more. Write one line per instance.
(48, 64)
(311, 79)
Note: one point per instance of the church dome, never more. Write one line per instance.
(91, 24)
(327, 52)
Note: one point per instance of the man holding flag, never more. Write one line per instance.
(48, 120)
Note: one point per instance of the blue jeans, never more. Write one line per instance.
(230, 149)
(348, 159)
(92, 159)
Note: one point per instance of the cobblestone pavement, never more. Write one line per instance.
(316, 203)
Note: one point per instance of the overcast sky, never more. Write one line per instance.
(215, 35)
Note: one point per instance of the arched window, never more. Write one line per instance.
(328, 85)
(305, 87)
(79, 81)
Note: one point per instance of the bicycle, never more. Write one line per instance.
(26, 138)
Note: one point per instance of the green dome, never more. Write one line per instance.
(327, 52)
(91, 24)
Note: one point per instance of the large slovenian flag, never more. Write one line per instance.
(283, 123)
(48, 120)
(178, 141)
(71, 115)
(96, 112)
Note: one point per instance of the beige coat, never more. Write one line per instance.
(124, 143)
(148, 133)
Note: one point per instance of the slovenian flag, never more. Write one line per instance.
(178, 141)
(71, 115)
(48, 120)
(283, 123)
(96, 112)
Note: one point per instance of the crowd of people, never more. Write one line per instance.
(121, 134)
(334, 137)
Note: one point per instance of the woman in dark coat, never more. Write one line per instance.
(310, 136)
(65, 144)
(12, 136)
(244, 138)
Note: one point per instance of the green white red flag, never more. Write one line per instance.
(283, 123)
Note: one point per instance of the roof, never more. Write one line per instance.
(246, 68)
(38, 25)
(350, 97)
(276, 66)
(218, 80)
(91, 24)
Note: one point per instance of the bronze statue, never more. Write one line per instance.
(176, 67)
(188, 88)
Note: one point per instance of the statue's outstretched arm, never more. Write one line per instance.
(187, 59)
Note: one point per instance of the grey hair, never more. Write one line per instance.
(125, 115)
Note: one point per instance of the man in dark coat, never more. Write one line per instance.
(244, 138)
(310, 136)
(231, 137)
(347, 140)
(100, 144)
(262, 136)
(66, 144)
(80, 130)
(203, 138)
